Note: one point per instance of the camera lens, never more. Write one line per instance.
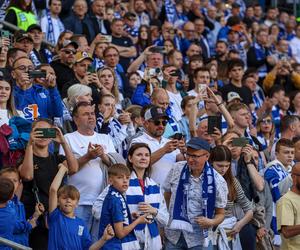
(157, 70)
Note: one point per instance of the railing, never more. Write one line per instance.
(13, 244)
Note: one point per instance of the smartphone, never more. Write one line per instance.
(5, 33)
(214, 122)
(175, 73)
(91, 69)
(47, 132)
(240, 142)
(37, 74)
(177, 136)
(203, 89)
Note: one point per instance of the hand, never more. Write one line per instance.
(204, 222)
(171, 146)
(35, 135)
(147, 51)
(124, 118)
(217, 135)
(146, 208)
(93, 78)
(181, 146)
(143, 220)
(24, 78)
(235, 230)
(212, 95)
(4, 42)
(261, 232)
(51, 80)
(248, 152)
(94, 151)
(59, 136)
(39, 210)
(108, 233)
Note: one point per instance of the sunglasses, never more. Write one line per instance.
(68, 52)
(266, 121)
(158, 122)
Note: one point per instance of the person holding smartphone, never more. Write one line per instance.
(38, 170)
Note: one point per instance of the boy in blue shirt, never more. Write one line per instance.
(22, 226)
(66, 231)
(7, 213)
(115, 211)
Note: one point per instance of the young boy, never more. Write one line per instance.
(22, 226)
(115, 211)
(66, 231)
(7, 213)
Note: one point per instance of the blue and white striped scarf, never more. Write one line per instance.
(129, 242)
(50, 28)
(151, 195)
(180, 213)
(274, 174)
(261, 54)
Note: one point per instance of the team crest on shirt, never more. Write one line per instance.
(80, 230)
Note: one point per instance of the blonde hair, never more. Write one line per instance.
(115, 88)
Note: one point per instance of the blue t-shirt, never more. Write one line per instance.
(67, 233)
(114, 211)
(7, 223)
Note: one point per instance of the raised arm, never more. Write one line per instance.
(55, 186)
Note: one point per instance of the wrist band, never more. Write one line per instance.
(220, 104)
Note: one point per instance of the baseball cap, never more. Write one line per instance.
(236, 5)
(130, 15)
(80, 56)
(21, 35)
(34, 27)
(233, 95)
(155, 113)
(69, 42)
(197, 143)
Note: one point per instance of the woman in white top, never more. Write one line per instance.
(7, 104)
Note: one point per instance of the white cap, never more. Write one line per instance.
(233, 95)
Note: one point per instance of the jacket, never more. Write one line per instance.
(38, 102)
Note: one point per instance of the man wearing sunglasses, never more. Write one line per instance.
(165, 152)
(63, 65)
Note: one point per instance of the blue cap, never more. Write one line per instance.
(197, 143)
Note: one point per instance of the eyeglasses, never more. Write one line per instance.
(266, 121)
(69, 51)
(158, 122)
(195, 156)
(25, 68)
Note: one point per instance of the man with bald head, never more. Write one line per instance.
(288, 214)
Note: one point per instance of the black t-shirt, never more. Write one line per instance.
(244, 92)
(124, 42)
(45, 170)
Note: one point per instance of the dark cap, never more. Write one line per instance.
(130, 15)
(155, 113)
(69, 42)
(197, 143)
(21, 35)
(236, 5)
(34, 27)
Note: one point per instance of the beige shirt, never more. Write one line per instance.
(288, 214)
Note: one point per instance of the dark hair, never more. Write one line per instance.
(69, 191)
(143, 44)
(287, 121)
(235, 63)
(6, 190)
(50, 2)
(118, 169)
(49, 121)
(18, 4)
(222, 153)
(283, 143)
(12, 52)
(275, 89)
(292, 96)
(131, 151)
(172, 52)
(201, 69)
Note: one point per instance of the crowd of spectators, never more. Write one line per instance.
(131, 124)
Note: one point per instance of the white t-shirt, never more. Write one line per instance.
(161, 168)
(175, 104)
(89, 180)
(295, 47)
